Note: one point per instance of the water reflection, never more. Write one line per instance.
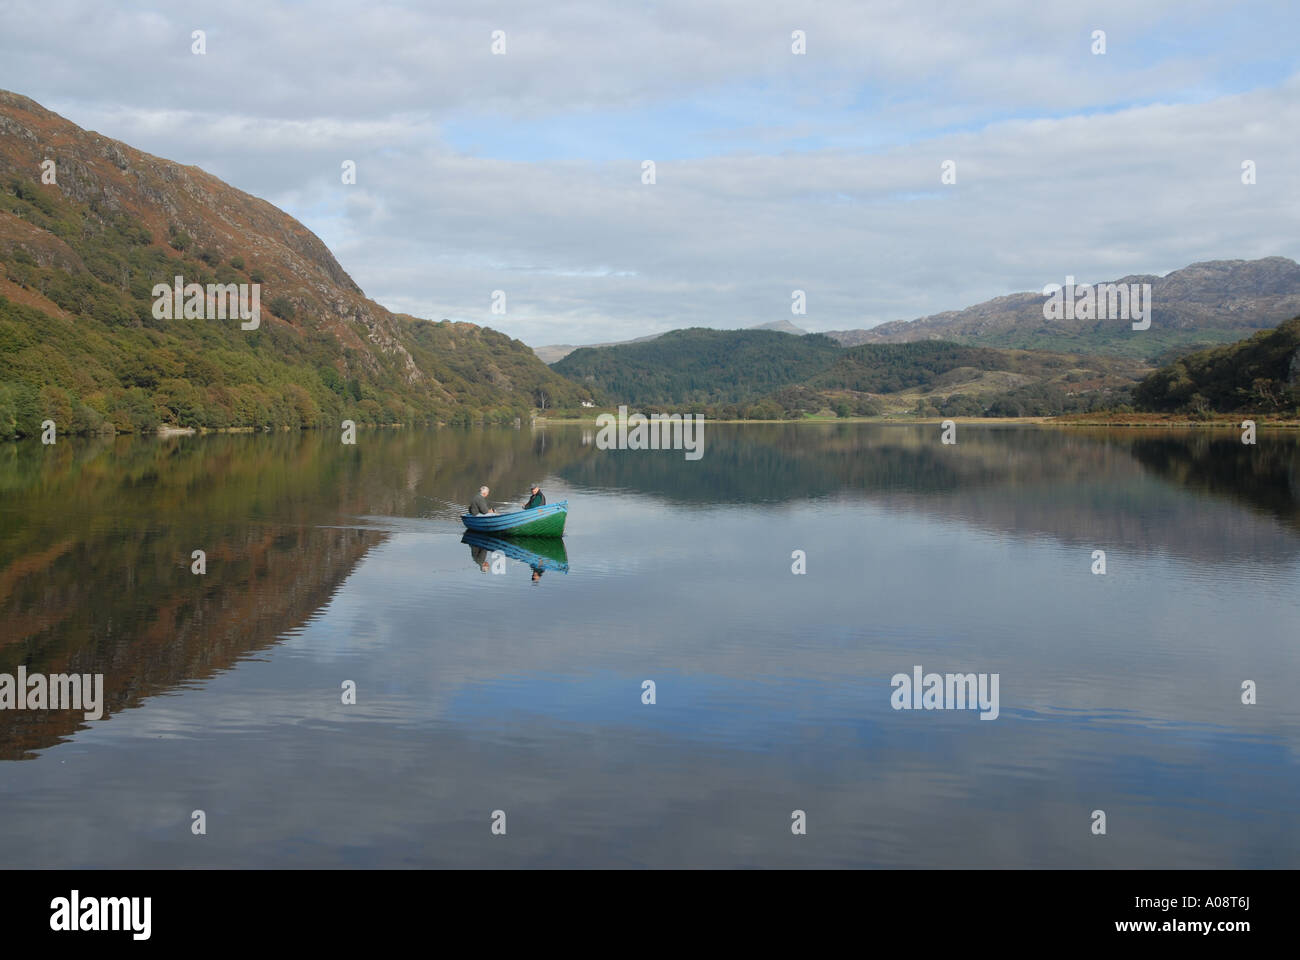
(328, 563)
(538, 553)
(97, 537)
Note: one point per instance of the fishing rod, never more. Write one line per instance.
(452, 503)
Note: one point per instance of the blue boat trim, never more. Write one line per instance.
(506, 522)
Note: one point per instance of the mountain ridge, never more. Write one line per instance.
(79, 259)
(553, 353)
(1213, 300)
(1203, 304)
(760, 374)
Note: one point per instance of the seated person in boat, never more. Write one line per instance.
(479, 504)
(536, 500)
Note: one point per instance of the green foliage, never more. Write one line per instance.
(282, 307)
(710, 366)
(1032, 400)
(925, 408)
(798, 401)
(1260, 373)
(1039, 400)
(961, 405)
(894, 367)
(1105, 338)
(110, 365)
(677, 369)
(20, 410)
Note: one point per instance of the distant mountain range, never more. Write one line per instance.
(763, 374)
(1218, 301)
(80, 343)
(999, 358)
(89, 227)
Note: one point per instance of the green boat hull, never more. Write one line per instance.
(546, 553)
(545, 521)
(549, 526)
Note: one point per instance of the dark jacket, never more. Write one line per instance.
(478, 505)
(536, 500)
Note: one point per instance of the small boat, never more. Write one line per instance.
(540, 553)
(547, 521)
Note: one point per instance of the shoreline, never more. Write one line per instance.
(1126, 421)
(1220, 421)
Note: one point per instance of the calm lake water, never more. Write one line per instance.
(480, 691)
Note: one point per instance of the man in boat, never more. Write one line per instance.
(536, 500)
(479, 504)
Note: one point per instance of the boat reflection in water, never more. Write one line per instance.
(540, 553)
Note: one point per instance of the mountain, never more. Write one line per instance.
(938, 377)
(700, 365)
(761, 374)
(1260, 373)
(79, 342)
(1206, 303)
(936, 365)
(555, 352)
(1201, 305)
(781, 326)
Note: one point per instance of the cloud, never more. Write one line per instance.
(522, 172)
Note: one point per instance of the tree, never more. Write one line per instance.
(1265, 391)
(282, 307)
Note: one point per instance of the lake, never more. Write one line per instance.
(495, 686)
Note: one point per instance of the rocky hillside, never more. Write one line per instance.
(79, 341)
(1206, 303)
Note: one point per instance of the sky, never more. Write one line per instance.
(523, 171)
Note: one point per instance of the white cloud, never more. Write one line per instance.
(1075, 182)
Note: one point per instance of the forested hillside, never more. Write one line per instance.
(1260, 373)
(756, 374)
(79, 342)
(892, 368)
(701, 365)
